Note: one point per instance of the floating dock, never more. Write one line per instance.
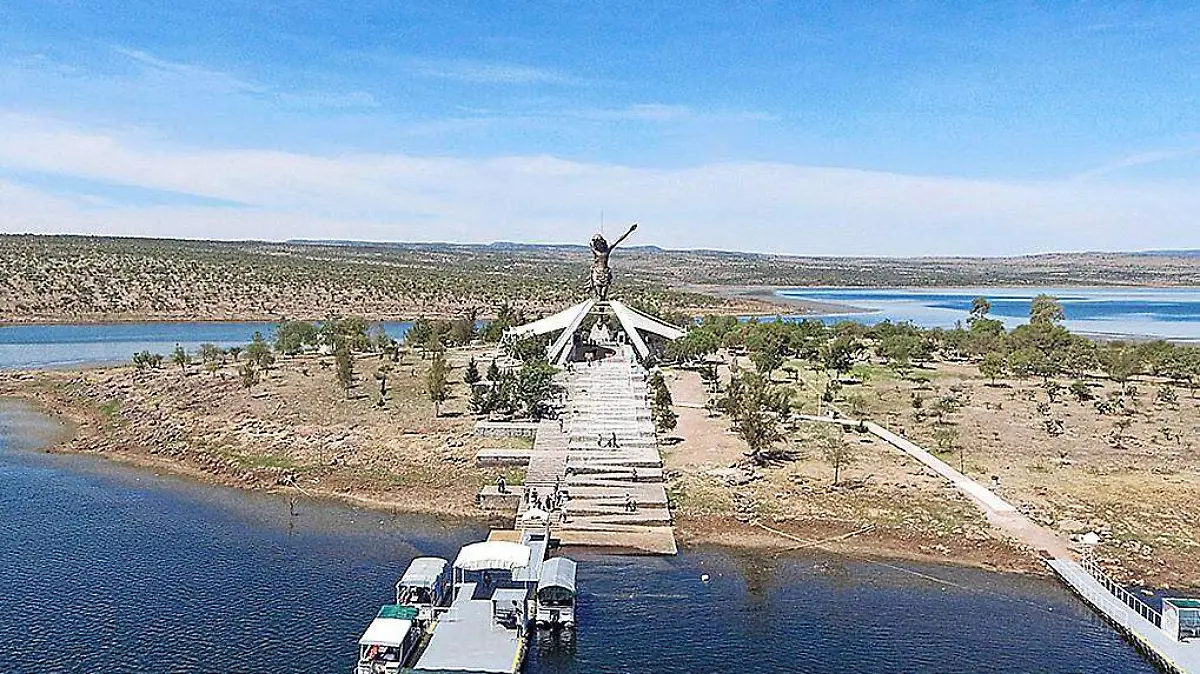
(1136, 622)
(472, 634)
(467, 639)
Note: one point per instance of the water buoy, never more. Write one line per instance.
(704, 577)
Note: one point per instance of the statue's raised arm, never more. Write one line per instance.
(601, 274)
(624, 236)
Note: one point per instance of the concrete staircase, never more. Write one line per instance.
(606, 399)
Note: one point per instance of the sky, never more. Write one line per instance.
(843, 128)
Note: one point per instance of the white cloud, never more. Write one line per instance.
(731, 205)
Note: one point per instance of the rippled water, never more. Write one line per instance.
(1172, 313)
(25, 346)
(106, 569)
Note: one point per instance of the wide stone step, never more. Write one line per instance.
(502, 457)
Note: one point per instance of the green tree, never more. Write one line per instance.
(980, 307)
(259, 353)
(437, 385)
(836, 452)
(211, 356)
(478, 404)
(898, 350)
(291, 337)
(493, 371)
(471, 374)
(210, 353)
(840, 354)
(1120, 362)
(180, 357)
(527, 349)
(381, 375)
(349, 330)
(661, 411)
(992, 366)
(535, 390)
(1023, 362)
(234, 352)
(757, 409)
(1045, 310)
(248, 375)
(419, 333)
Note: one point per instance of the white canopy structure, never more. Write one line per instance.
(424, 572)
(386, 632)
(492, 555)
(568, 321)
(633, 320)
(558, 579)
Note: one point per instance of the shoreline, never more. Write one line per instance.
(74, 420)
(768, 295)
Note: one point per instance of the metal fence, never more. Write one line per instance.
(1117, 590)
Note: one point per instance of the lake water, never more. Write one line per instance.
(1171, 313)
(109, 569)
(26, 346)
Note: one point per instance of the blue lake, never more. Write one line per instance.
(27, 346)
(109, 569)
(1171, 313)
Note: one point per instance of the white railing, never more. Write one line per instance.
(1117, 590)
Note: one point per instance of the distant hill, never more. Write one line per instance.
(1170, 253)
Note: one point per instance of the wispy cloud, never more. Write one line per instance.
(197, 77)
(734, 205)
(479, 72)
(1136, 160)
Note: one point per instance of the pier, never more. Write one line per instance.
(1137, 621)
(1177, 653)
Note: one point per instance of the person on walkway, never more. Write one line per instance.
(614, 444)
(563, 509)
(628, 503)
(501, 487)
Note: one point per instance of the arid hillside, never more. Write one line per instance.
(74, 278)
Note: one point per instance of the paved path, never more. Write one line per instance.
(999, 512)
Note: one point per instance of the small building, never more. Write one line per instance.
(1181, 618)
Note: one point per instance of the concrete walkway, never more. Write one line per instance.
(604, 400)
(1000, 513)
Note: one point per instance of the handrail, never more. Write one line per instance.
(1117, 590)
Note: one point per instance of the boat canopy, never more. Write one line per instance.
(492, 555)
(558, 580)
(424, 572)
(386, 632)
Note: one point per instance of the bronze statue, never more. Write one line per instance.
(602, 275)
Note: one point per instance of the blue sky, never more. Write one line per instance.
(833, 128)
